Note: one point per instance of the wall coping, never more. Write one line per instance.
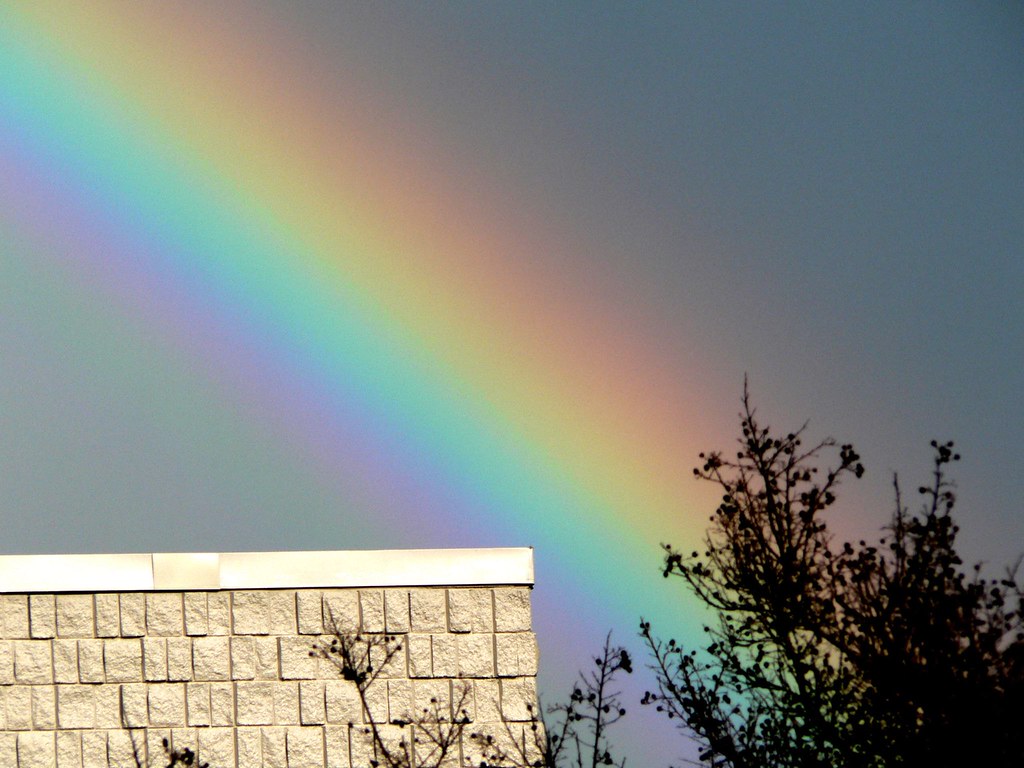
(162, 571)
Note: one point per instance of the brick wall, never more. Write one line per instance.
(229, 672)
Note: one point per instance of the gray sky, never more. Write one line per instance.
(826, 197)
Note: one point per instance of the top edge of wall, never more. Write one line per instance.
(265, 570)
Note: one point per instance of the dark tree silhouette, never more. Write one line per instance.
(176, 758)
(427, 739)
(860, 655)
(574, 733)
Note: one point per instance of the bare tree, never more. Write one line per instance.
(860, 656)
(176, 758)
(574, 733)
(431, 736)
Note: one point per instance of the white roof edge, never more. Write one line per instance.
(265, 570)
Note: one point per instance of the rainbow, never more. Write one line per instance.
(370, 306)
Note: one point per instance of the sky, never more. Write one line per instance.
(344, 276)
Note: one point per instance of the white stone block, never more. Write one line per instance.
(44, 709)
(222, 704)
(400, 701)
(154, 658)
(427, 753)
(519, 698)
(470, 610)
(94, 749)
(398, 741)
(135, 705)
(32, 662)
(286, 703)
(164, 614)
(310, 612)
(475, 751)
(217, 746)
(133, 614)
(6, 662)
(428, 610)
(267, 664)
(535, 740)
(512, 609)
(487, 701)
(336, 743)
(121, 746)
(211, 658)
(197, 704)
(248, 751)
(196, 616)
(312, 703)
(15, 616)
(179, 659)
(371, 609)
(74, 616)
(507, 741)
(476, 655)
(218, 613)
(243, 658)
(343, 705)
(418, 650)
(396, 610)
(361, 746)
(396, 665)
(154, 742)
(463, 706)
(445, 655)
(122, 660)
(516, 654)
(37, 750)
(250, 613)
(69, 750)
(264, 612)
(8, 749)
(182, 738)
(296, 662)
(254, 703)
(377, 701)
(108, 706)
(19, 708)
(327, 666)
(431, 698)
(275, 749)
(167, 705)
(282, 612)
(90, 661)
(341, 610)
(42, 616)
(76, 707)
(65, 661)
(108, 616)
(305, 748)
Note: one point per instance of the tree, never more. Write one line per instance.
(176, 758)
(425, 739)
(859, 655)
(576, 735)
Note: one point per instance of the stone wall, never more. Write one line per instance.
(229, 671)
